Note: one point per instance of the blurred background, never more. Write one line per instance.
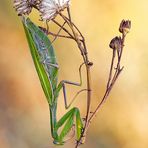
(122, 122)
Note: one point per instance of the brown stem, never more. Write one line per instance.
(58, 33)
(111, 68)
(112, 76)
(82, 47)
(63, 28)
(62, 36)
(111, 79)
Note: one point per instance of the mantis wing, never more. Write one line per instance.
(45, 82)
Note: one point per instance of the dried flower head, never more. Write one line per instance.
(125, 26)
(24, 7)
(116, 43)
(50, 8)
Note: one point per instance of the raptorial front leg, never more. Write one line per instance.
(67, 121)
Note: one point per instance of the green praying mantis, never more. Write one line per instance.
(45, 61)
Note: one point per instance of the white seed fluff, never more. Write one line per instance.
(50, 8)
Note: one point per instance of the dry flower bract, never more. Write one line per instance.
(50, 8)
(22, 7)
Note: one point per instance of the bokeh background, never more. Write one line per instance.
(122, 122)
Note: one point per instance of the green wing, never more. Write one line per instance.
(40, 39)
(45, 81)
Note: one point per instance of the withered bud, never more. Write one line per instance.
(116, 43)
(125, 26)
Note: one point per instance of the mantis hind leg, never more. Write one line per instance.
(62, 85)
(67, 121)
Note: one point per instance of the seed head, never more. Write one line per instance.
(116, 43)
(24, 7)
(50, 8)
(125, 26)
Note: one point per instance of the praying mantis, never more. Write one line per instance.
(45, 61)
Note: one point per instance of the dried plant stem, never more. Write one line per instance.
(111, 68)
(111, 79)
(58, 24)
(113, 75)
(77, 36)
(59, 35)
(82, 47)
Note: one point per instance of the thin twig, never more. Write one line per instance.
(63, 28)
(111, 68)
(78, 41)
(111, 80)
(82, 46)
(83, 50)
(59, 35)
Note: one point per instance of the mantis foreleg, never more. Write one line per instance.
(68, 121)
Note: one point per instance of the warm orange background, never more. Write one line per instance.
(122, 122)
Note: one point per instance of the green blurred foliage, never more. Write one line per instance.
(122, 122)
